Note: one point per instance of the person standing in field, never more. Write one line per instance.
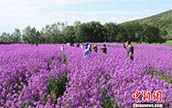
(95, 48)
(87, 51)
(130, 50)
(63, 57)
(78, 45)
(90, 47)
(68, 44)
(104, 49)
(37, 44)
(82, 46)
(86, 45)
(62, 48)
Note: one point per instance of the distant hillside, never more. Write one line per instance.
(162, 20)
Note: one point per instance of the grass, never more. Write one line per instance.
(162, 77)
(168, 43)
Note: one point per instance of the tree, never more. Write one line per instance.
(111, 31)
(81, 32)
(16, 36)
(52, 33)
(151, 34)
(5, 38)
(134, 31)
(90, 32)
(31, 35)
(96, 32)
(122, 36)
(68, 34)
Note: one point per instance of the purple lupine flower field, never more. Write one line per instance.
(45, 77)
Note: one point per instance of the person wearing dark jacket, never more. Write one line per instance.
(104, 49)
(95, 48)
(130, 50)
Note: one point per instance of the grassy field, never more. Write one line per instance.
(168, 43)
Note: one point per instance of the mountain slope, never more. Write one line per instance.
(162, 20)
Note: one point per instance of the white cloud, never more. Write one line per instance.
(20, 13)
(42, 3)
(134, 18)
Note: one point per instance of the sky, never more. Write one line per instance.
(38, 13)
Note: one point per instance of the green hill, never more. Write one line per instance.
(162, 20)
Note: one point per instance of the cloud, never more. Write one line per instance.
(38, 13)
(38, 19)
(133, 0)
(42, 3)
(25, 9)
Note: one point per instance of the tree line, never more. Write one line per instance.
(86, 32)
